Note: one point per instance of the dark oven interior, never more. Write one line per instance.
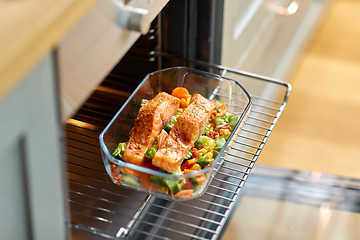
(100, 209)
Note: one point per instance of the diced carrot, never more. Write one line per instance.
(184, 102)
(222, 109)
(146, 182)
(181, 92)
(187, 192)
(227, 127)
(201, 178)
(132, 172)
(189, 171)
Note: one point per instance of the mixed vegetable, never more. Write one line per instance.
(201, 155)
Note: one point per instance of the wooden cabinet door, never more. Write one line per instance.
(32, 201)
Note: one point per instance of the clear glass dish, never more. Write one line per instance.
(211, 86)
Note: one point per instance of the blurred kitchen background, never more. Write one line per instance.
(320, 128)
(318, 134)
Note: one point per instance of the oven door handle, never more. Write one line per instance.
(137, 15)
(134, 19)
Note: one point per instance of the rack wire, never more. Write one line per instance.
(101, 210)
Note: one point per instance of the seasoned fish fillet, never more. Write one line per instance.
(183, 135)
(161, 138)
(151, 119)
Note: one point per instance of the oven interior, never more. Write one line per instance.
(101, 210)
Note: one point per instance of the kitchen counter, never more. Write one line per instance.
(29, 30)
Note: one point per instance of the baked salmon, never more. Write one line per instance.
(161, 138)
(152, 118)
(182, 136)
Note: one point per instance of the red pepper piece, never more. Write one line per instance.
(187, 165)
(188, 184)
(190, 165)
(213, 134)
(184, 165)
(194, 152)
(149, 165)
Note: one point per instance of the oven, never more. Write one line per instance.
(103, 60)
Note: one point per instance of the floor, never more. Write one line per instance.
(320, 127)
(281, 220)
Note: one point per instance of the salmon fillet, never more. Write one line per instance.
(151, 119)
(183, 135)
(161, 138)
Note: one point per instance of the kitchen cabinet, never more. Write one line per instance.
(268, 37)
(32, 202)
(94, 47)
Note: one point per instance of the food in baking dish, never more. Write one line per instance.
(198, 167)
(177, 134)
(152, 118)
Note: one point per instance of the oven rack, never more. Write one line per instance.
(101, 210)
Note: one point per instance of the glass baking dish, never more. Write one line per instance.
(211, 86)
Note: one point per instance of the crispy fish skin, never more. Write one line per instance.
(183, 135)
(151, 119)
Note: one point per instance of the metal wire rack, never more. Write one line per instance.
(101, 210)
